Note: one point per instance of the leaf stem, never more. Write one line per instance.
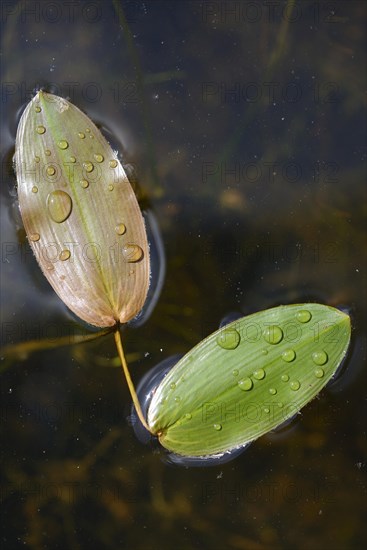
(128, 379)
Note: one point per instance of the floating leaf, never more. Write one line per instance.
(248, 378)
(80, 213)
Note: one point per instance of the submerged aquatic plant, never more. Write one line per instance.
(86, 230)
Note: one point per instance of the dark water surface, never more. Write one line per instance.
(244, 122)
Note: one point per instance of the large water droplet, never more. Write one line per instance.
(59, 205)
(259, 374)
(88, 166)
(288, 355)
(245, 384)
(319, 373)
(294, 385)
(132, 253)
(228, 338)
(40, 129)
(63, 144)
(273, 334)
(50, 171)
(64, 255)
(303, 316)
(319, 357)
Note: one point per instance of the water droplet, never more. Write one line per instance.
(50, 170)
(38, 109)
(188, 416)
(81, 135)
(87, 130)
(34, 237)
(99, 157)
(84, 183)
(228, 338)
(303, 316)
(172, 386)
(266, 410)
(294, 385)
(288, 355)
(259, 374)
(177, 399)
(319, 373)
(72, 159)
(235, 372)
(280, 404)
(50, 267)
(284, 378)
(48, 152)
(59, 205)
(120, 229)
(35, 189)
(88, 166)
(264, 351)
(132, 253)
(63, 144)
(273, 334)
(217, 427)
(272, 391)
(64, 255)
(110, 187)
(245, 384)
(36, 159)
(40, 129)
(113, 163)
(319, 357)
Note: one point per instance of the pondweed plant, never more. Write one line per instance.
(87, 232)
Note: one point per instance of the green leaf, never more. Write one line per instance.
(248, 378)
(80, 213)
